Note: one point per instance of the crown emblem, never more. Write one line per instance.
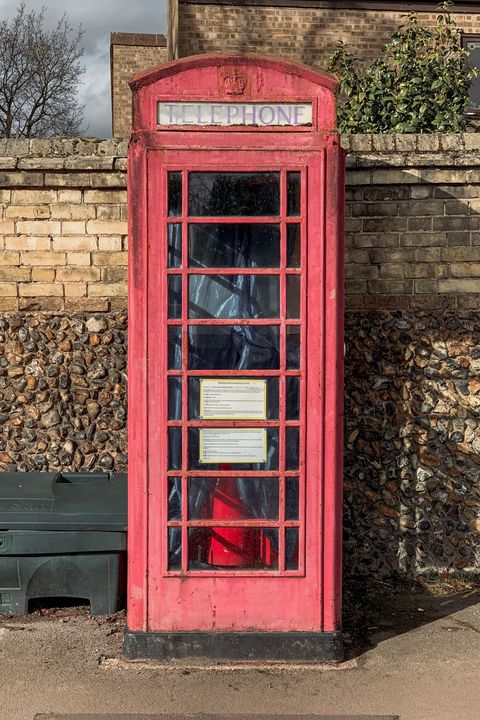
(234, 82)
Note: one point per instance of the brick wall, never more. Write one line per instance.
(413, 221)
(307, 35)
(412, 225)
(130, 53)
(63, 225)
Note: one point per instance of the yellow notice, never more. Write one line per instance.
(233, 445)
(238, 399)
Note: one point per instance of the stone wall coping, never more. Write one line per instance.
(63, 147)
(138, 39)
(385, 150)
(401, 144)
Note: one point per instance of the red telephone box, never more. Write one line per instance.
(235, 185)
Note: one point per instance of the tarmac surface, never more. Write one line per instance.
(416, 657)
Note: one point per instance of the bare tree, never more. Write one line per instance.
(40, 71)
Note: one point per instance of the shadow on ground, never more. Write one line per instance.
(377, 611)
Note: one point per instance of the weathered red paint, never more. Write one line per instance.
(307, 599)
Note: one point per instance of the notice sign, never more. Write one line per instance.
(225, 114)
(233, 399)
(233, 445)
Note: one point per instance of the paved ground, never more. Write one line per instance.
(422, 663)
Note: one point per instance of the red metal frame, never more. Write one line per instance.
(265, 600)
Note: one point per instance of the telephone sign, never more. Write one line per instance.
(235, 362)
(224, 114)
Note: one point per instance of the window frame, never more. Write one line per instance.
(473, 112)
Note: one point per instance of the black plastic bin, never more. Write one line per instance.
(63, 535)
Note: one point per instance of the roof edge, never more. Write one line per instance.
(138, 39)
(175, 67)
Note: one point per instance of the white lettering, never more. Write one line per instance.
(266, 115)
(249, 114)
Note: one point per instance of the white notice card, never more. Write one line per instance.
(233, 445)
(233, 399)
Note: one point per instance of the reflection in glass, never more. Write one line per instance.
(174, 448)
(291, 498)
(291, 549)
(291, 448)
(194, 398)
(194, 454)
(233, 347)
(232, 498)
(293, 296)
(174, 194)
(174, 548)
(293, 398)
(174, 231)
(174, 398)
(293, 347)
(174, 347)
(293, 246)
(233, 296)
(293, 193)
(174, 297)
(234, 245)
(174, 498)
(233, 548)
(230, 193)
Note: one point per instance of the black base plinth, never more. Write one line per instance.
(246, 646)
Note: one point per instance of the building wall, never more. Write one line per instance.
(130, 53)
(298, 33)
(412, 373)
(303, 34)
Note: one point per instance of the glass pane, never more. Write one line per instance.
(174, 194)
(293, 193)
(291, 549)
(293, 246)
(194, 397)
(174, 548)
(174, 398)
(233, 347)
(230, 193)
(174, 498)
(291, 448)
(228, 498)
(194, 454)
(293, 296)
(234, 245)
(472, 46)
(175, 297)
(293, 398)
(174, 347)
(233, 548)
(293, 347)
(234, 296)
(174, 245)
(291, 498)
(174, 448)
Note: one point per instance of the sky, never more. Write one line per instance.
(99, 18)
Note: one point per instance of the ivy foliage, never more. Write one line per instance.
(420, 84)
